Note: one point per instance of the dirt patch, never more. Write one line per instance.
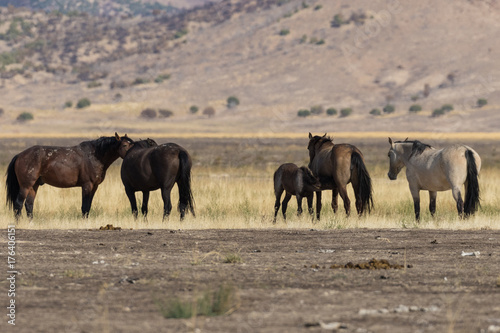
(94, 281)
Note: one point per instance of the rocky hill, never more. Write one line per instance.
(275, 56)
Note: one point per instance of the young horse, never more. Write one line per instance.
(147, 167)
(83, 165)
(295, 181)
(435, 170)
(337, 165)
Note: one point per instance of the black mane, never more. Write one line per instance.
(417, 147)
(322, 139)
(104, 144)
(148, 143)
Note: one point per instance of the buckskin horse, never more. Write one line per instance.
(82, 166)
(436, 170)
(337, 165)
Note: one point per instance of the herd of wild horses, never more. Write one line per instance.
(148, 166)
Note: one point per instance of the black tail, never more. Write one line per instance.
(12, 184)
(365, 189)
(184, 183)
(471, 203)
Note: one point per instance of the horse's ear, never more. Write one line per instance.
(390, 141)
(117, 136)
(406, 139)
(324, 135)
(126, 135)
(310, 136)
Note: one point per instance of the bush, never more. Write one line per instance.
(94, 84)
(318, 7)
(83, 103)
(284, 32)
(331, 111)
(232, 102)
(415, 108)
(162, 77)
(209, 111)
(193, 109)
(303, 113)
(414, 98)
(164, 113)
(338, 20)
(148, 113)
(1, 112)
(317, 109)
(118, 84)
(140, 80)
(376, 112)
(481, 102)
(68, 104)
(438, 112)
(345, 112)
(180, 33)
(25, 116)
(389, 108)
(447, 107)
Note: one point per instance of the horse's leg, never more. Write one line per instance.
(167, 203)
(30, 200)
(145, 200)
(457, 195)
(277, 202)
(299, 204)
(310, 204)
(335, 200)
(284, 205)
(133, 201)
(18, 204)
(88, 191)
(347, 203)
(432, 202)
(318, 204)
(415, 193)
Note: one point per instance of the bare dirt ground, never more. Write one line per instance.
(108, 281)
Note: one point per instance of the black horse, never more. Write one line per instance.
(148, 166)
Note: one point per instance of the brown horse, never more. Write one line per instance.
(82, 166)
(337, 165)
(294, 181)
(147, 167)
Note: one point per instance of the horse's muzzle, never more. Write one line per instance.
(392, 176)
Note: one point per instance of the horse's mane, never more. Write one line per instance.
(417, 147)
(145, 143)
(322, 139)
(103, 145)
(309, 177)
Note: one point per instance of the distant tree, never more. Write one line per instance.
(25, 116)
(447, 107)
(193, 109)
(83, 103)
(331, 111)
(481, 102)
(284, 32)
(318, 7)
(389, 108)
(232, 102)
(209, 111)
(345, 112)
(415, 108)
(317, 109)
(414, 98)
(148, 113)
(376, 112)
(140, 80)
(303, 113)
(68, 104)
(438, 112)
(164, 113)
(338, 21)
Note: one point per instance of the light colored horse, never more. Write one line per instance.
(434, 170)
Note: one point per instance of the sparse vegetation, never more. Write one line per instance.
(318, 7)
(209, 111)
(438, 112)
(180, 33)
(232, 258)
(164, 113)
(338, 21)
(76, 273)
(331, 111)
(345, 112)
(375, 112)
(232, 101)
(94, 84)
(427, 90)
(303, 113)
(481, 102)
(447, 107)
(414, 98)
(68, 104)
(83, 103)
(118, 84)
(140, 80)
(317, 109)
(193, 109)
(415, 108)
(25, 116)
(148, 113)
(1, 112)
(162, 77)
(389, 108)
(284, 32)
(303, 39)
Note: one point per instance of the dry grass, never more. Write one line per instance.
(243, 198)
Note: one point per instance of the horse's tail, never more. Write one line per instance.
(277, 180)
(12, 184)
(471, 203)
(364, 182)
(184, 182)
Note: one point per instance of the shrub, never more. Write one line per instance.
(376, 112)
(303, 39)
(414, 98)
(427, 90)
(338, 20)
(83, 103)
(447, 107)
(162, 77)
(148, 113)
(118, 84)
(318, 7)
(193, 109)
(482, 102)
(1, 112)
(415, 108)
(331, 111)
(140, 80)
(68, 104)
(94, 84)
(117, 97)
(389, 108)
(232, 102)
(438, 112)
(180, 33)
(209, 111)
(25, 116)
(284, 32)
(303, 113)
(164, 113)
(317, 109)
(345, 112)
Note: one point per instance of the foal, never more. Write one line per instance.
(295, 181)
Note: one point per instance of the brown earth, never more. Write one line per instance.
(108, 281)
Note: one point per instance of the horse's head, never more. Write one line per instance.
(125, 144)
(315, 143)
(310, 179)
(395, 161)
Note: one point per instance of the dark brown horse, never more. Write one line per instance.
(147, 167)
(82, 166)
(294, 181)
(337, 165)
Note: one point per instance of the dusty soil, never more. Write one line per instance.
(108, 281)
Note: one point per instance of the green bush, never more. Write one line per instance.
(331, 111)
(318, 7)
(389, 108)
(193, 109)
(303, 39)
(165, 113)
(25, 116)
(94, 84)
(140, 80)
(345, 112)
(209, 111)
(447, 107)
(438, 112)
(304, 113)
(68, 104)
(317, 109)
(415, 108)
(232, 101)
(414, 98)
(482, 102)
(162, 77)
(376, 112)
(338, 20)
(284, 32)
(83, 103)
(180, 33)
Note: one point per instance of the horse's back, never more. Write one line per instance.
(284, 176)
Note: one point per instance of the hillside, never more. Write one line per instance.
(275, 56)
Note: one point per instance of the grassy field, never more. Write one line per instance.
(242, 197)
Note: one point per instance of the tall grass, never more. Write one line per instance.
(244, 198)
